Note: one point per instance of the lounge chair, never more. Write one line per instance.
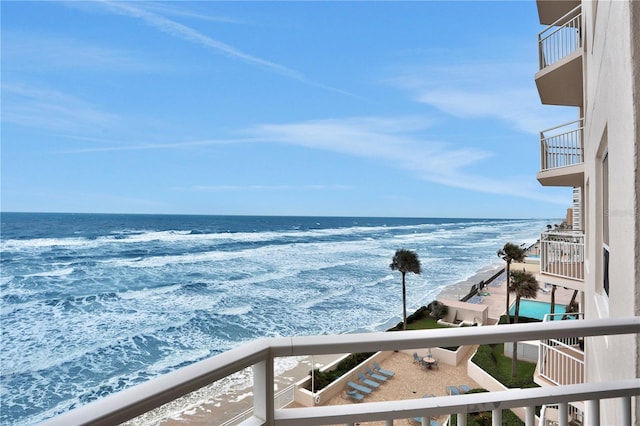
(367, 382)
(464, 388)
(359, 387)
(381, 370)
(453, 390)
(418, 420)
(374, 375)
(355, 395)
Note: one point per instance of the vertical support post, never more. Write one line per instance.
(563, 414)
(592, 412)
(496, 417)
(461, 419)
(626, 410)
(529, 415)
(388, 423)
(263, 393)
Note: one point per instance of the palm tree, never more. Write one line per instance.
(510, 253)
(405, 261)
(525, 285)
(553, 301)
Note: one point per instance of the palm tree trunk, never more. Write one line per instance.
(553, 301)
(514, 354)
(508, 317)
(404, 304)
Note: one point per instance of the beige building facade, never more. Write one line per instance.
(598, 75)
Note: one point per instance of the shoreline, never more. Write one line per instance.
(220, 407)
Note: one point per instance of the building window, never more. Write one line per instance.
(605, 223)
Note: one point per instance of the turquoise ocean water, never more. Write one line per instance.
(92, 304)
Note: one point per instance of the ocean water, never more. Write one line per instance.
(93, 304)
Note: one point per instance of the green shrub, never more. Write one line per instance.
(322, 379)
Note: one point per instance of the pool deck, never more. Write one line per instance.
(497, 289)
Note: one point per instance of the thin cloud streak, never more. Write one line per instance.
(233, 188)
(394, 141)
(507, 94)
(184, 32)
(51, 110)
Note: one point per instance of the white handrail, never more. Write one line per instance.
(127, 404)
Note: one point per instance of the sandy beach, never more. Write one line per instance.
(410, 380)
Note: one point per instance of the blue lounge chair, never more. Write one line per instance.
(453, 390)
(381, 370)
(464, 388)
(368, 382)
(374, 375)
(359, 388)
(418, 420)
(355, 395)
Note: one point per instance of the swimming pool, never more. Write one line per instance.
(535, 309)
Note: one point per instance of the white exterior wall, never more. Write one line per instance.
(611, 111)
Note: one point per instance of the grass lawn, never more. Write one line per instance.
(491, 359)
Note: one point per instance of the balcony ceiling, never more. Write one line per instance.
(561, 83)
(549, 11)
(570, 176)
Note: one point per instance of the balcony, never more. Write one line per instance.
(559, 80)
(260, 355)
(562, 155)
(550, 11)
(562, 258)
(561, 361)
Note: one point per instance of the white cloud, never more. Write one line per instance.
(398, 141)
(234, 188)
(191, 35)
(51, 110)
(43, 53)
(502, 91)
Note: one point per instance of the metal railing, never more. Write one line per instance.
(127, 404)
(561, 361)
(562, 254)
(280, 400)
(561, 146)
(560, 39)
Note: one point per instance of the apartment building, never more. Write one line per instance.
(590, 61)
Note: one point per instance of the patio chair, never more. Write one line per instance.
(374, 375)
(365, 390)
(453, 390)
(381, 370)
(355, 395)
(368, 382)
(464, 388)
(416, 358)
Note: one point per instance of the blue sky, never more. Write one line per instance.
(424, 109)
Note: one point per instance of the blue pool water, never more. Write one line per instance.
(536, 309)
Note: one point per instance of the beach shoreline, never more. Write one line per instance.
(219, 408)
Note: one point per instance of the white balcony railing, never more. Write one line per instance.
(560, 39)
(562, 254)
(561, 361)
(561, 146)
(125, 405)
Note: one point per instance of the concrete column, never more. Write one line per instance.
(263, 377)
